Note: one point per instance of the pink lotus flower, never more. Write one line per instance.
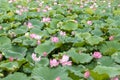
(65, 61)
(19, 6)
(44, 10)
(58, 78)
(53, 63)
(65, 58)
(111, 38)
(68, 63)
(29, 25)
(86, 74)
(11, 59)
(35, 58)
(32, 35)
(89, 22)
(38, 42)
(97, 55)
(54, 39)
(44, 54)
(46, 19)
(48, 8)
(62, 33)
(35, 36)
(18, 12)
(81, 6)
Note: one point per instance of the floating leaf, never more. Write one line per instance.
(45, 47)
(97, 76)
(111, 71)
(36, 23)
(69, 25)
(15, 52)
(4, 41)
(97, 32)
(9, 66)
(89, 11)
(20, 30)
(116, 57)
(93, 40)
(110, 48)
(16, 76)
(106, 61)
(40, 73)
(79, 58)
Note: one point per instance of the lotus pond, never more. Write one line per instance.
(59, 39)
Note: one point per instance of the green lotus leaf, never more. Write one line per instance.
(9, 66)
(79, 58)
(21, 17)
(116, 57)
(15, 52)
(43, 62)
(45, 47)
(97, 76)
(85, 35)
(93, 40)
(5, 43)
(4, 6)
(110, 71)
(29, 42)
(69, 26)
(27, 68)
(36, 23)
(109, 48)
(16, 76)
(89, 11)
(42, 73)
(106, 61)
(77, 70)
(97, 32)
(116, 12)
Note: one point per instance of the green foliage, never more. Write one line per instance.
(106, 61)
(110, 48)
(79, 58)
(16, 76)
(42, 73)
(45, 47)
(111, 71)
(97, 76)
(80, 28)
(116, 57)
(93, 40)
(69, 25)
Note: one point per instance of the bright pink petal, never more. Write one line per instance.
(65, 58)
(54, 63)
(97, 55)
(58, 78)
(54, 39)
(111, 38)
(35, 58)
(86, 74)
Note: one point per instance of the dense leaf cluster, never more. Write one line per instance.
(80, 27)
